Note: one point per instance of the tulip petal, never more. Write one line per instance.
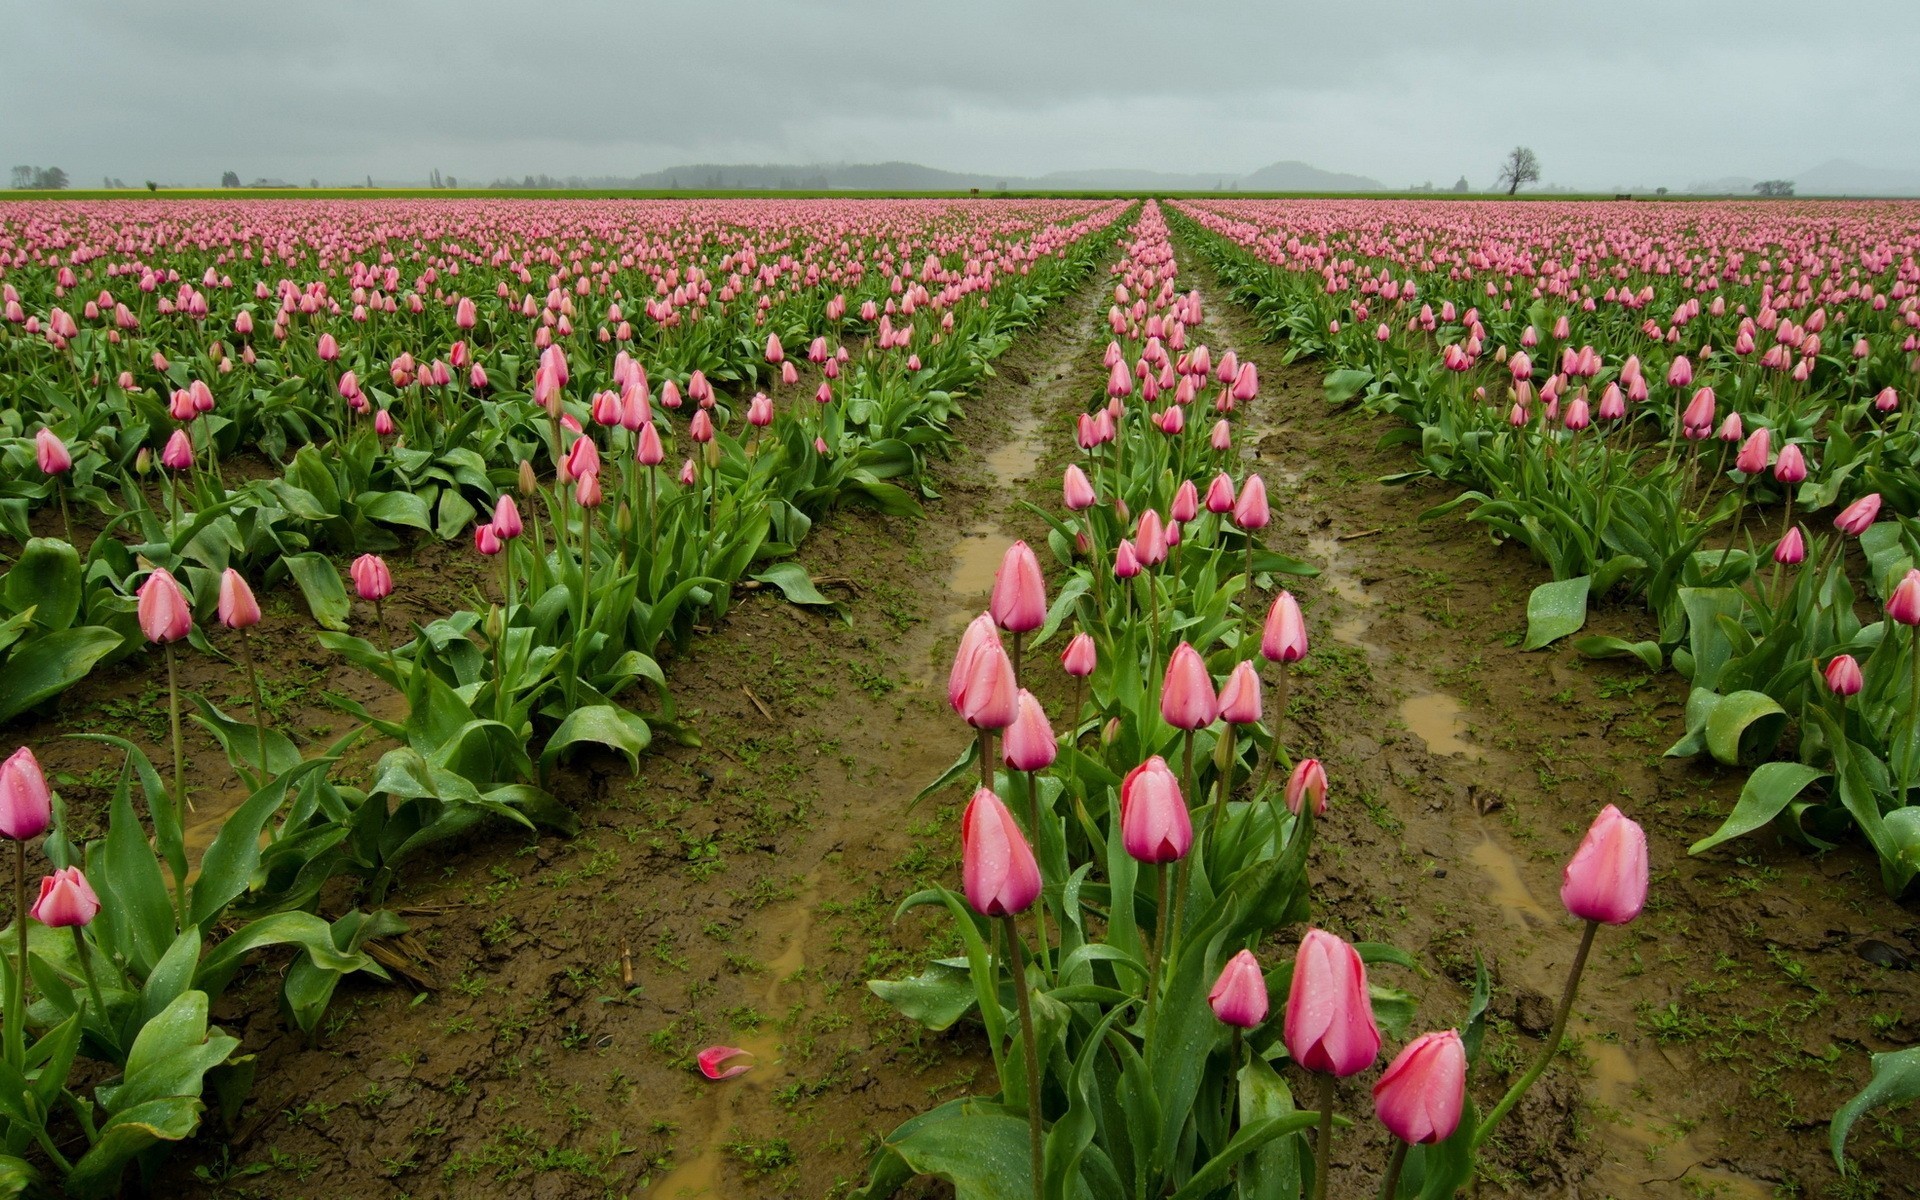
(711, 1058)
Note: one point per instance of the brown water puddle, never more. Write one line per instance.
(722, 1108)
(1325, 552)
(1439, 720)
(1509, 891)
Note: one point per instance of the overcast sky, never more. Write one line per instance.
(1609, 92)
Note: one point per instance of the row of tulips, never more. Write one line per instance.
(1661, 428)
(604, 550)
(1118, 915)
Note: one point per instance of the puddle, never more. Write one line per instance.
(976, 556)
(1438, 720)
(1324, 551)
(1647, 1147)
(1017, 457)
(1509, 890)
(702, 1174)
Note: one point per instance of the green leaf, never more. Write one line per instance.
(1743, 721)
(792, 580)
(937, 997)
(1768, 791)
(320, 584)
(1896, 1078)
(603, 724)
(44, 667)
(47, 579)
(1343, 385)
(1555, 610)
(1251, 1137)
(396, 508)
(981, 1150)
(16, 1176)
(455, 514)
(97, 1175)
(1601, 646)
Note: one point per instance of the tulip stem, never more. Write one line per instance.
(66, 521)
(179, 775)
(1157, 935)
(1026, 1044)
(85, 954)
(1739, 511)
(1017, 637)
(1913, 714)
(1391, 1183)
(259, 706)
(1281, 691)
(17, 998)
(1233, 1079)
(1033, 828)
(393, 661)
(1323, 1144)
(986, 758)
(1223, 781)
(1552, 1047)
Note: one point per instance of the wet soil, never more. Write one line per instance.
(1714, 1037)
(741, 892)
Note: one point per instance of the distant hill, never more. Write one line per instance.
(1842, 177)
(913, 177)
(1292, 176)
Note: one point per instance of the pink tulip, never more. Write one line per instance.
(1221, 439)
(1126, 563)
(51, 453)
(1791, 466)
(1220, 497)
(700, 429)
(1154, 826)
(1856, 517)
(177, 455)
(582, 458)
(980, 686)
(1240, 696)
(712, 1057)
(1080, 656)
(1019, 603)
(383, 423)
(1307, 782)
(1250, 510)
(1420, 1095)
(1904, 604)
(1843, 676)
(165, 615)
(371, 579)
(506, 519)
(1029, 744)
(997, 866)
(1680, 373)
(1606, 880)
(1329, 1025)
(1239, 996)
(1187, 700)
(238, 609)
(1186, 502)
(760, 410)
(775, 354)
(486, 540)
(66, 900)
(1791, 550)
(328, 349)
(26, 803)
(1076, 492)
(1754, 454)
(1284, 640)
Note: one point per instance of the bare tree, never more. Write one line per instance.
(1774, 188)
(229, 179)
(1521, 166)
(22, 178)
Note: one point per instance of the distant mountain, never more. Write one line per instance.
(1730, 185)
(1292, 176)
(913, 177)
(1842, 177)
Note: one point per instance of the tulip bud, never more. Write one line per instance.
(1019, 603)
(997, 866)
(1856, 517)
(371, 579)
(1239, 996)
(238, 609)
(1606, 880)
(1419, 1097)
(1307, 782)
(66, 900)
(1843, 676)
(1079, 657)
(1029, 744)
(1240, 696)
(1154, 825)
(26, 803)
(164, 614)
(1187, 700)
(1329, 1024)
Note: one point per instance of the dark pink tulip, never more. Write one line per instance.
(1904, 604)
(760, 410)
(1856, 517)
(1076, 492)
(1019, 603)
(1029, 744)
(165, 615)
(506, 519)
(371, 579)
(1126, 563)
(700, 429)
(486, 539)
(1754, 454)
(1791, 550)
(1239, 996)
(1329, 1025)
(1843, 676)
(238, 609)
(1220, 497)
(1150, 539)
(980, 685)
(1791, 466)
(997, 866)
(1420, 1095)
(1606, 880)
(649, 452)
(1154, 825)
(1186, 502)
(66, 900)
(177, 454)
(26, 803)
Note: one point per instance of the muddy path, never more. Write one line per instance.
(1713, 1038)
(740, 892)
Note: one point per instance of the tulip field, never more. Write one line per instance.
(471, 674)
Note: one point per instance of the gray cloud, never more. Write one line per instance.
(1620, 92)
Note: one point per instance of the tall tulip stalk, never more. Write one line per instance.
(166, 617)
